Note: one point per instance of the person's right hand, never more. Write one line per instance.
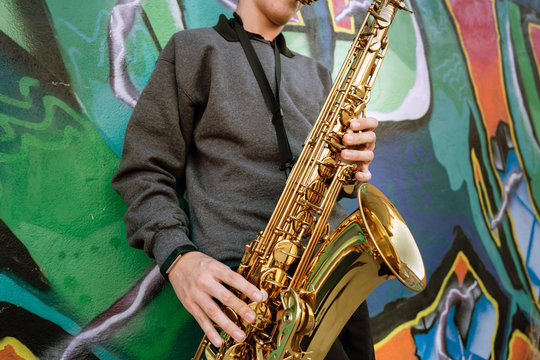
(197, 279)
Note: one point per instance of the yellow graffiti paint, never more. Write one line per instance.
(483, 197)
(300, 20)
(8, 343)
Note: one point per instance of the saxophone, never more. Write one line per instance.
(315, 279)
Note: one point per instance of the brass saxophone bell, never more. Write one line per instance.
(392, 238)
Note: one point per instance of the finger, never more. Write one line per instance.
(206, 325)
(238, 282)
(362, 173)
(361, 124)
(357, 155)
(214, 312)
(363, 176)
(229, 299)
(369, 146)
(363, 138)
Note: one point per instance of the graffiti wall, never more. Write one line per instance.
(457, 152)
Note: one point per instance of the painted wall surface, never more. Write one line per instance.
(457, 152)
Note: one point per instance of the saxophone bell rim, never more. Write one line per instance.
(391, 237)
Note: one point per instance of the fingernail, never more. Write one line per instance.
(216, 340)
(348, 137)
(257, 296)
(238, 335)
(249, 316)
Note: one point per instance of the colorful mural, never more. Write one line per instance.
(457, 152)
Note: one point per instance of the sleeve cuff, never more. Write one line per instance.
(166, 243)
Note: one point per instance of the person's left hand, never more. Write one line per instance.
(359, 146)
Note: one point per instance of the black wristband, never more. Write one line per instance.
(180, 250)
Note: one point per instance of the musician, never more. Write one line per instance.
(202, 130)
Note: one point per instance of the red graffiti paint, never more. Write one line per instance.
(344, 25)
(461, 269)
(402, 340)
(9, 353)
(534, 35)
(477, 30)
(296, 20)
(522, 348)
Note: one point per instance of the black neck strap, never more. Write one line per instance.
(271, 99)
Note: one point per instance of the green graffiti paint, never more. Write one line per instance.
(85, 299)
(115, 242)
(64, 219)
(25, 84)
(398, 71)
(162, 20)
(36, 134)
(70, 282)
(202, 13)
(9, 20)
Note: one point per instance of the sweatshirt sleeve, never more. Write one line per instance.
(151, 170)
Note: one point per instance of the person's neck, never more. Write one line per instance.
(256, 22)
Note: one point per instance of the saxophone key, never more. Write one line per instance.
(263, 317)
(273, 280)
(286, 253)
(333, 141)
(231, 314)
(315, 192)
(327, 167)
(374, 45)
(303, 222)
(239, 351)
